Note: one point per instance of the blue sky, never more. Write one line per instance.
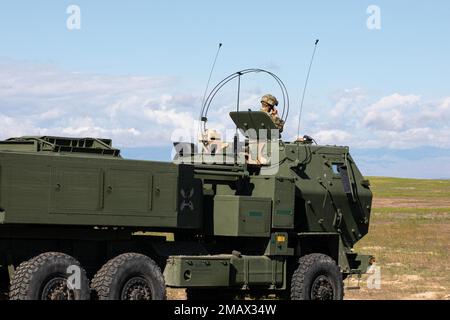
(137, 69)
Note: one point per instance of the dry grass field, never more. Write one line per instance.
(410, 237)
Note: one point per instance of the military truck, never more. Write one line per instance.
(78, 221)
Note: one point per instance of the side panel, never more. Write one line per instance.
(25, 189)
(165, 194)
(55, 189)
(350, 214)
(315, 208)
(74, 189)
(331, 195)
(283, 207)
(128, 191)
(242, 216)
(282, 191)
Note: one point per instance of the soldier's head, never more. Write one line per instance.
(268, 102)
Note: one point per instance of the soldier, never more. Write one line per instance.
(268, 103)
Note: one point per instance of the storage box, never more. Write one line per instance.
(242, 216)
(198, 271)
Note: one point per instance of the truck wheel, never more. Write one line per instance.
(129, 276)
(46, 277)
(317, 277)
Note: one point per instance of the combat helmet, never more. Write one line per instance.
(270, 100)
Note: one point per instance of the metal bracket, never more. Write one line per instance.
(11, 269)
(357, 287)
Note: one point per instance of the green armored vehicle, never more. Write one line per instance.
(78, 221)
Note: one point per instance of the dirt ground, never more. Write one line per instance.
(410, 237)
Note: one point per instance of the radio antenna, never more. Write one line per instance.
(210, 74)
(206, 89)
(304, 88)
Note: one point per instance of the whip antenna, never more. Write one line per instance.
(304, 89)
(206, 90)
(210, 74)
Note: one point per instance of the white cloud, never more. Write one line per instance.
(395, 121)
(41, 80)
(404, 121)
(333, 137)
(390, 112)
(17, 127)
(348, 101)
(393, 101)
(134, 111)
(143, 111)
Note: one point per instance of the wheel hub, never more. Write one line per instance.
(56, 289)
(322, 289)
(136, 288)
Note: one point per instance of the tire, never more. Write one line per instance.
(45, 277)
(317, 277)
(129, 276)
